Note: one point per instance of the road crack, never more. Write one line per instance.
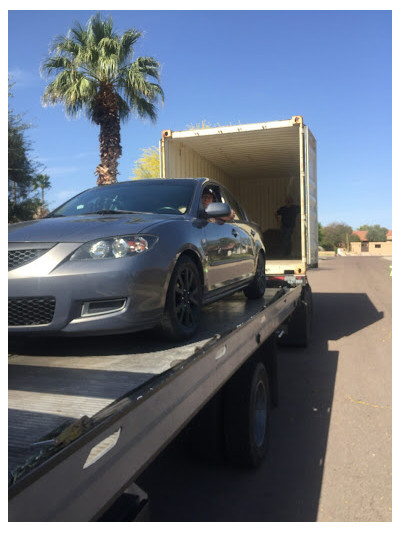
(362, 402)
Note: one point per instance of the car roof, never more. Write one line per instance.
(151, 180)
(164, 180)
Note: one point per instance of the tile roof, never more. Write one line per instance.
(361, 234)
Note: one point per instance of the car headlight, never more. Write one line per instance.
(114, 247)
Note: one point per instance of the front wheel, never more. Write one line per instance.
(256, 288)
(183, 304)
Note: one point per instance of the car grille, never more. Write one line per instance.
(17, 258)
(30, 311)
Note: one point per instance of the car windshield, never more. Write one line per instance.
(144, 196)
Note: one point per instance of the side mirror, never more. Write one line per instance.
(217, 210)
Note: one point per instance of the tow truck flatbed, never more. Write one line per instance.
(86, 416)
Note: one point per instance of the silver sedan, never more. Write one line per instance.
(131, 256)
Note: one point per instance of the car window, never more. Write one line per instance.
(144, 196)
(227, 198)
(215, 190)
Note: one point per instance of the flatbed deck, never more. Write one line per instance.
(56, 380)
(133, 389)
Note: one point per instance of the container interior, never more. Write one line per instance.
(261, 168)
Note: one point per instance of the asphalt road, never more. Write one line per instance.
(330, 450)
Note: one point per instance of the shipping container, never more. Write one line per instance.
(262, 165)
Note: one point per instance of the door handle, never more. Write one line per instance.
(235, 233)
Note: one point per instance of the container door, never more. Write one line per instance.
(310, 186)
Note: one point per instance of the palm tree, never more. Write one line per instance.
(94, 73)
(41, 181)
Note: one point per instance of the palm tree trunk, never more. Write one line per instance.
(107, 116)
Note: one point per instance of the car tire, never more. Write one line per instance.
(183, 303)
(257, 287)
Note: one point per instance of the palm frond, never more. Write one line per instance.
(124, 109)
(142, 107)
(148, 66)
(99, 29)
(126, 43)
(134, 81)
(78, 34)
(56, 63)
(71, 88)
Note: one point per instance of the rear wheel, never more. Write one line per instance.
(256, 288)
(183, 305)
(247, 415)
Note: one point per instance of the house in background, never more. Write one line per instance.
(372, 248)
(362, 246)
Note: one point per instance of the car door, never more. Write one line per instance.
(244, 253)
(220, 244)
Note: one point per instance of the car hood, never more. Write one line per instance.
(82, 228)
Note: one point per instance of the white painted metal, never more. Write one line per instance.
(311, 197)
(103, 447)
(303, 221)
(236, 128)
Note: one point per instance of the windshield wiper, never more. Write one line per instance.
(50, 215)
(108, 212)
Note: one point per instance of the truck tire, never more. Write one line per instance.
(257, 287)
(300, 322)
(269, 350)
(183, 303)
(246, 404)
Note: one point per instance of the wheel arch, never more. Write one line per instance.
(259, 249)
(196, 259)
(193, 254)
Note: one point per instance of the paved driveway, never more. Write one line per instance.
(330, 452)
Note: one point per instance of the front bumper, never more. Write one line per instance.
(75, 283)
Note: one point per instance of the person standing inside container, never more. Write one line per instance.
(288, 214)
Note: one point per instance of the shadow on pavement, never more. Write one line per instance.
(287, 486)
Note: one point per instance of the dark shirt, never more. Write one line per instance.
(288, 215)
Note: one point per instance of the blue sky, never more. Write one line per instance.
(228, 67)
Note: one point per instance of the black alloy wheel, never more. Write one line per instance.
(184, 298)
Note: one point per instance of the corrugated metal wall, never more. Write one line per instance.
(261, 198)
(311, 197)
(252, 154)
(182, 162)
